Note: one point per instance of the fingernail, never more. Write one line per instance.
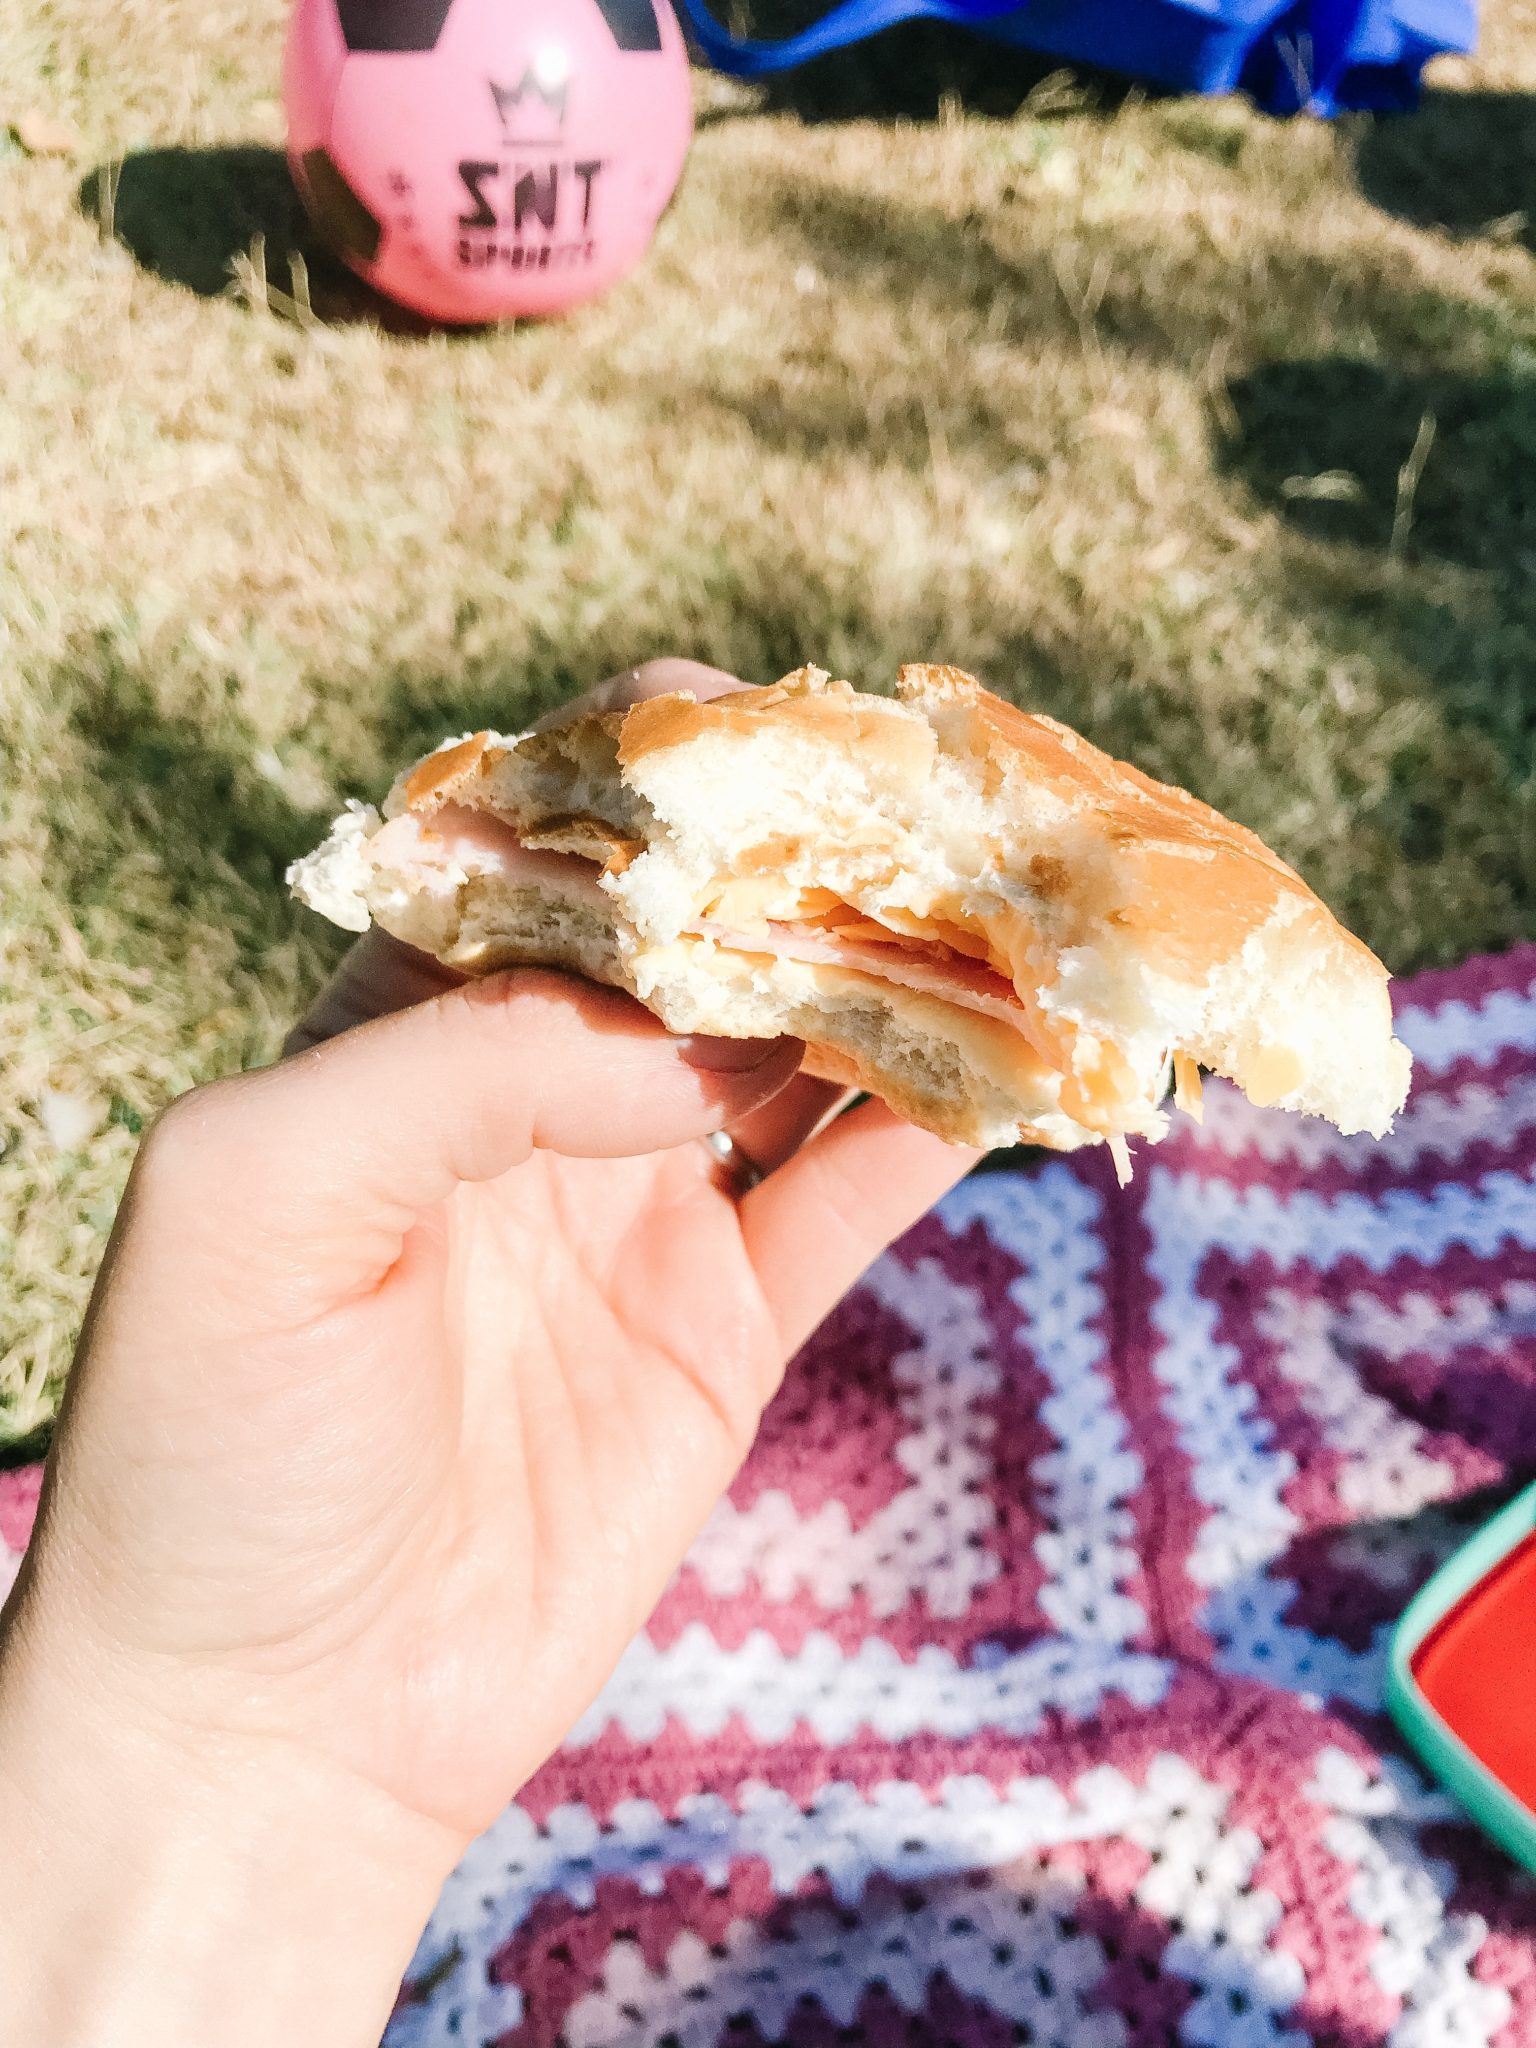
(727, 1055)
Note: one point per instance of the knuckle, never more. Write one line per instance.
(182, 1158)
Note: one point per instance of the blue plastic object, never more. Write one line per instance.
(1318, 57)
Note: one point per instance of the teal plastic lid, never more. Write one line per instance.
(1486, 1798)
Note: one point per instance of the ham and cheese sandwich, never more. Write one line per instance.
(964, 909)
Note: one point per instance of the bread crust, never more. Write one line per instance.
(1093, 875)
(447, 774)
(1202, 882)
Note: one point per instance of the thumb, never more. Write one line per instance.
(353, 1141)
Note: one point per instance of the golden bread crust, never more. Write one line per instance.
(442, 777)
(1193, 881)
(808, 703)
(1190, 880)
(1132, 920)
(1197, 881)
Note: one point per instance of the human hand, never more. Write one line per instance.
(414, 1365)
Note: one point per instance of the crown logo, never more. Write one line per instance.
(541, 92)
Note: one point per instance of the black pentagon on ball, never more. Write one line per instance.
(397, 25)
(337, 212)
(633, 23)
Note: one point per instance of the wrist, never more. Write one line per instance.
(169, 1886)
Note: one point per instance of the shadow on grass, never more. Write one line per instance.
(917, 71)
(1000, 279)
(187, 214)
(1331, 444)
(1465, 162)
(1419, 493)
(1409, 503)
(191, 215)
(189, 796)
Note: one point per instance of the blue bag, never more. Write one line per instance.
(1314, 56)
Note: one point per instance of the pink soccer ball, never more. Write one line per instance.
(486, 159)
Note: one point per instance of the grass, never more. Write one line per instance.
(1213, 436)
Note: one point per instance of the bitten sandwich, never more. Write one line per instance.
(962, 908)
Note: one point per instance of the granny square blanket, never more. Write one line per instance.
(1027, 1688)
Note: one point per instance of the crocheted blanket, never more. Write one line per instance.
(1027, 1688)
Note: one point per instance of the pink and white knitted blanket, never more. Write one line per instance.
(1027, 1688)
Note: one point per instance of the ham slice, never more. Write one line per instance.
(934, 970)
(456, 841)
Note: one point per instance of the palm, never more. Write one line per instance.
(577, 1358)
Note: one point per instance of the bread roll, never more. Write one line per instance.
(966, 909)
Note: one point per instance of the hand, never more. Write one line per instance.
(414, 1365)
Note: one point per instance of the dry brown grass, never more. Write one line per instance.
(1106, 399)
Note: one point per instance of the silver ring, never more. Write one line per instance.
(739, 1174)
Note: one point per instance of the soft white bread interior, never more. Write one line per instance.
(963, 908)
